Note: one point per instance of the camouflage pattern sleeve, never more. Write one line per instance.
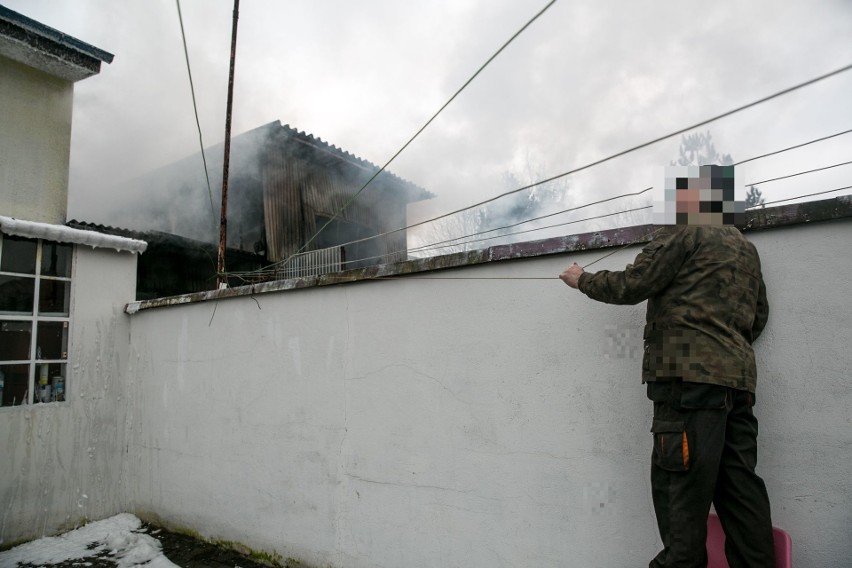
(651, 272)
(761, 314)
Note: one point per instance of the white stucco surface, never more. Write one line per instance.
(63, 462)
(34, 143)
(482, 422)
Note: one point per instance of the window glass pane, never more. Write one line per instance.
(50, 382)
(15, 340)
(54, 297)
(18, 255)
(13, 384)
(52, 340)
(16, 294)
(55, 259)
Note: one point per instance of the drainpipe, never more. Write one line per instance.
(221, 278)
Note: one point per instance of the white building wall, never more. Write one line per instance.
(62, 462)
(34, 143)
(482, 422)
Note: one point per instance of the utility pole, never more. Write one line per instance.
(221, 278)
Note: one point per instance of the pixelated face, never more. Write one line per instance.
(698, 195)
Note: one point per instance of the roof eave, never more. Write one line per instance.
(29, 42)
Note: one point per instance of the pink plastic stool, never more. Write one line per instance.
(716, 545)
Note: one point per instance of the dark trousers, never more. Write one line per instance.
(705, 450)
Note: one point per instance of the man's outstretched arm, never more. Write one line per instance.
(653, 270)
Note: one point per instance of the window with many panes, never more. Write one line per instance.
(35, 297)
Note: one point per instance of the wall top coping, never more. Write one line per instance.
(768, 218)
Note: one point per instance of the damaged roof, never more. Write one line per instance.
(34, 44)
(288, 133)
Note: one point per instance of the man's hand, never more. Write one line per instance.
(571, 275)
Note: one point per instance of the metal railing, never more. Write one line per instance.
(311, 263)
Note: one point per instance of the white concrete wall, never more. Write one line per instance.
(62, 462)
(474, 423)
(35, 141)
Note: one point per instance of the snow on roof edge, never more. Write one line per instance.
(63, 234)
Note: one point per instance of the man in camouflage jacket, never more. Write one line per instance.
(706, 305)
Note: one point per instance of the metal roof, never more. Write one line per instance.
(413, 191)
(32, 43)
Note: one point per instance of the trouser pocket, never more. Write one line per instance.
(671, 445)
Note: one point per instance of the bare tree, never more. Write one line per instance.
(519, 211)
(497, 221)
(754, 198)
(697, 149)
(448, 235)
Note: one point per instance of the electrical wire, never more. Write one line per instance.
(415, 249)
(386, 233)
(556, 225)
(437, 246)
(625, 152)
(588, 204)
(242, 275)
(752, 208)
(618, 249)
(647, 236)
(195, 108)
(277, 267)
(432, 247)
(449, 243)
(428, 122)
(801, 173)
(794, 147)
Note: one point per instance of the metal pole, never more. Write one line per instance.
(221, 278)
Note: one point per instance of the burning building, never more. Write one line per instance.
(284, 186)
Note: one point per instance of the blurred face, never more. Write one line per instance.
(687, 200)
(698, 195)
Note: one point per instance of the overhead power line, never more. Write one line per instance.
(798, 197)
(195, 108)
(612, 156)
(386, 233)
(655, 140)
(801, 173)
(814, 141)
(428, 122)
(273, 267)
(551, 226)
(546, 216)
(442, 244)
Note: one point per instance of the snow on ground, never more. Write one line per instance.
(118, 537)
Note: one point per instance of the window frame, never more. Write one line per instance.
(35, 318)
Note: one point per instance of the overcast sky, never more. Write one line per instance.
(588, 79)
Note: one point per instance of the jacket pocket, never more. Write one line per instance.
(671, 445)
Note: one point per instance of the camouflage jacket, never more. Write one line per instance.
(706, 304)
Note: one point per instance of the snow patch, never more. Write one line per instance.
(119, 537)
(63, 234)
